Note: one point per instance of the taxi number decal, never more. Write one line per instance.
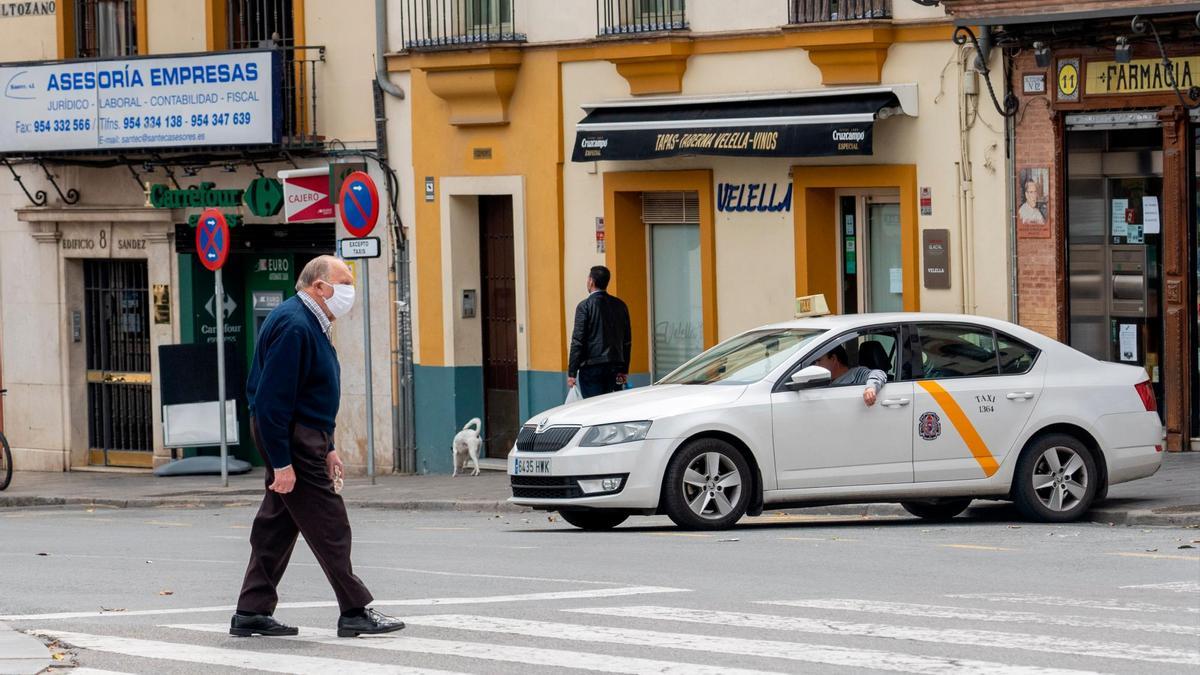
(987, 403)
(962, 424)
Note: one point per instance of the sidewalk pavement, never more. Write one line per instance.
(21, 654)
(1170, 497)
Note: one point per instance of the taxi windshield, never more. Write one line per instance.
(744, 359)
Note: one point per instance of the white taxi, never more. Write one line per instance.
(973, 408)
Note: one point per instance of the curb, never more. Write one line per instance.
(202, 503)
(1131, 517)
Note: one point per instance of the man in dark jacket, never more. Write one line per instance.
(294, 390)
(601, 341)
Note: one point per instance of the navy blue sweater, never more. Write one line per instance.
(295, 379)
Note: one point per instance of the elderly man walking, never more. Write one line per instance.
(294, 390)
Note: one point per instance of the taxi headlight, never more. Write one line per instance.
(611, 434)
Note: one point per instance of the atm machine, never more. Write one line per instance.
(261, 304)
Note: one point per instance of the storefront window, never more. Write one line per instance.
(887, 279)
(677, 309)
(872, 273)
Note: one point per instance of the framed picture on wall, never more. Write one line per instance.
(1033, 203)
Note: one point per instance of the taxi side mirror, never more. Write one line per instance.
(808, 378)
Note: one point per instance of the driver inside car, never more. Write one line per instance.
(837, 363)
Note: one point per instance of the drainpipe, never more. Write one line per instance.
(1014, 298)
(381, 28)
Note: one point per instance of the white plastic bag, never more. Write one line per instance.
(573, 395)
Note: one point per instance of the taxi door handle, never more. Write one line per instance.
(1020, 396)
(895, 402)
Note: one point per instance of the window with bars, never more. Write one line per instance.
(819, 11)
(259, 24)
(615, 17)
(441, 23)
(105, 28)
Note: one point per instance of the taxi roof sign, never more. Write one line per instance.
(811, 305)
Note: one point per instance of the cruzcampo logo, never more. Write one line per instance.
(264, 196)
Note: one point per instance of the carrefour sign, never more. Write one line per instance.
(186, 101)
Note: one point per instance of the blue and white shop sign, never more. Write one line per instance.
(184, 101)
(760, 197)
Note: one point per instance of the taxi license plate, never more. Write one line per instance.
(531, 467)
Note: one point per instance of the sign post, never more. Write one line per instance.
(358, 209)
(212, 246)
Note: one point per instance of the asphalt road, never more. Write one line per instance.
(150, 591)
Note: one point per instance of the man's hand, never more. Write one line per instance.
(285, 480)
(333, 465)
(570, 383)
(869, 396)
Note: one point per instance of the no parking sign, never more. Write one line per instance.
(212, 239)
(358, 204)
(212, 247)
(358, 209)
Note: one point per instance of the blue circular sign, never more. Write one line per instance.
(358, 204)
(212, 239)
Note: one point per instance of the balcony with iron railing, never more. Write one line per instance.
(299, 91)
(826, 11)
(432, 24)
(631, 17)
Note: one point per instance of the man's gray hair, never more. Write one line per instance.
(317, 269)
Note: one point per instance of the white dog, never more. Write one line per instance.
(466, 445)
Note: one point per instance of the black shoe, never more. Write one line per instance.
(259, 624)
(369, 622)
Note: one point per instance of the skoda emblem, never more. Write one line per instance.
(542, 425)
(929, 425)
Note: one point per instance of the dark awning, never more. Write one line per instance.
(821, 123)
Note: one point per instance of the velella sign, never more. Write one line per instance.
(202, 100)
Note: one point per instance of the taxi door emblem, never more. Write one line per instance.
(929, 425)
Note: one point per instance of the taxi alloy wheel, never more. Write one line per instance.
(1056, 479)
(707, 485)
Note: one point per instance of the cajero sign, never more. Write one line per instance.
(1141, 76)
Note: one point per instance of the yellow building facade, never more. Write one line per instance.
(541, 138)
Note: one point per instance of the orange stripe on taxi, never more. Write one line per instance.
(962, 424)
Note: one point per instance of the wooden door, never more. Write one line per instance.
(498, 307)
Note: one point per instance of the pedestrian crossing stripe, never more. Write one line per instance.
(828, 655)
(1059, 601)
(272, 662)
(411, 602)
(536, 656)
(969, 637)
(989, 615)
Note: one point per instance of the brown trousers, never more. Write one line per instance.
(311, 508)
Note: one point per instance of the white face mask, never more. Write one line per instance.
(342, 301)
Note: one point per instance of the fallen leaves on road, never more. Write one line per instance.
(166, 592)
(44, 555)
(112, 609)
(1187, 546)
(725, 540)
